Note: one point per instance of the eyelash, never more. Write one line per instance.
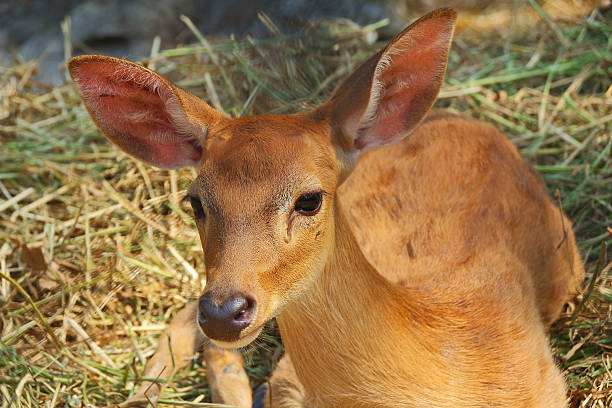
(309, 203)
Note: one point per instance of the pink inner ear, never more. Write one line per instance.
(130, 104)
(406, 82)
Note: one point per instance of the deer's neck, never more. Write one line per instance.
(353, 325)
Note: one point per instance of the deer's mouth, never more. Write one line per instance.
(244, 340)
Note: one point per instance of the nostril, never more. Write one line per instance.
(205, 308)
(244, 312)
(240, 315)
(201, 318)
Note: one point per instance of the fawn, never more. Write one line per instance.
(411, 258)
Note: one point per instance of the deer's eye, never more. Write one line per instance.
(196, 205)
(309, 203)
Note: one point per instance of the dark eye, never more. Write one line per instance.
(309, 203)
(196, 205)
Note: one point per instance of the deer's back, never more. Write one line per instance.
(456, 193)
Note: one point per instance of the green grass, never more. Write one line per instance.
(85, 230)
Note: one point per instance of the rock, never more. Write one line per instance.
(120, 28)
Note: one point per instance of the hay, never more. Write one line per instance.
(97, 250)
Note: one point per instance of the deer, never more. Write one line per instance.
(410, 255)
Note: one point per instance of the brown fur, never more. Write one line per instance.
(428, 279)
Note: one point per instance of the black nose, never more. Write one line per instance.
(225, 322)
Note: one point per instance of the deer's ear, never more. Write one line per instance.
(141, 112)
(385, 98)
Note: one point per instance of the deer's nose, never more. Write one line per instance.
(225, 322)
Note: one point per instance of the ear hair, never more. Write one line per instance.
(143, 113)
(387, 96)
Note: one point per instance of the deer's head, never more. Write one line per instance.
(264, 198)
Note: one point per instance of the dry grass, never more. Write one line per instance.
(97, 251)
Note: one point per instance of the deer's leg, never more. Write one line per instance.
(177, 346)
(283, 389)
(226, 377)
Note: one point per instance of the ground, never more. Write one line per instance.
(98, 251)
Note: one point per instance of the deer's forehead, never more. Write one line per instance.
(253, 157)
(264, 148)
(242, 178)
(261, 168)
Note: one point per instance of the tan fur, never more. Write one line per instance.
(468, 186)
(285, 390)
(226, 377)
(475, 281)
(429, 278)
